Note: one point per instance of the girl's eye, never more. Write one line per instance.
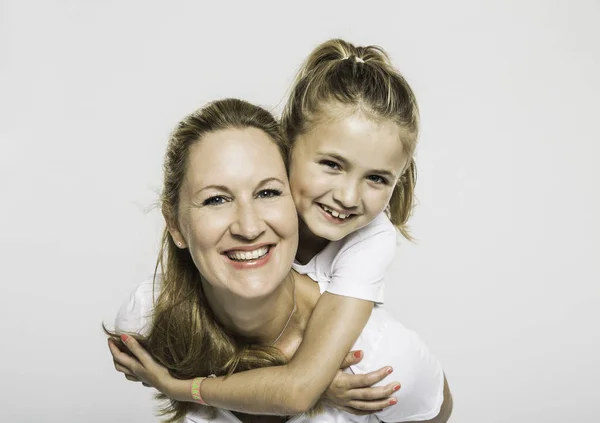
(377, 179)
(214, 201)
(330, 164)
(269, 193)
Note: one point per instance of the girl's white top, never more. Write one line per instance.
(355, 266)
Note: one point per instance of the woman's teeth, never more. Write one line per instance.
(334, 213)
(248, 255)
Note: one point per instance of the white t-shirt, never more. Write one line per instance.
(384, 341)
(355, 266)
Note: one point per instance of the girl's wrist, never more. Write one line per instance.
(179, 390)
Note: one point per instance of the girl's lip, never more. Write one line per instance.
(251, 264)
(335, 220)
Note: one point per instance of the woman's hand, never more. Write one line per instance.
(139, 366)
(355, 393)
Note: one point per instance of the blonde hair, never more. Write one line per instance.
(185, 336)
(363, 79)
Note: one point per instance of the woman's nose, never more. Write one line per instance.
(248, 223)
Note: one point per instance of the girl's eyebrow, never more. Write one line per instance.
(343, 161)
(334, 156)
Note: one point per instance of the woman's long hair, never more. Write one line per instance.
(185, 336)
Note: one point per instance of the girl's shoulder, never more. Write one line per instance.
(380, 227)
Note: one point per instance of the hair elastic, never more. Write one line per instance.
(195, 390)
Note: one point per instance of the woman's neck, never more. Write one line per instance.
(259, 320)
(309, 245)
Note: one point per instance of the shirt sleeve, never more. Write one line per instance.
(420, 374)
(359, 270)
(135, 313)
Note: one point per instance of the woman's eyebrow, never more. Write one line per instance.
(271, 179)
(215, 187)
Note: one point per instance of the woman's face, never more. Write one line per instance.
(236, 213)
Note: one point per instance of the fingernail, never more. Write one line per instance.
(389, 370)
(395, 388)
(124, 338)
(393, 401)
(357, 354)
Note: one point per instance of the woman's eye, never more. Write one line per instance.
(269, 193)
(330, 164)
(214, 201)
(377, 179)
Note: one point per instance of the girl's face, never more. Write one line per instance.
(236, 213)
(343, 172)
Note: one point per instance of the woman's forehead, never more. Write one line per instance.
(233, 157)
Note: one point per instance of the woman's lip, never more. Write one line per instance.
(251, 264)
(248, 247)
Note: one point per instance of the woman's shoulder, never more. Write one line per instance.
(135, 313)
(386, 342)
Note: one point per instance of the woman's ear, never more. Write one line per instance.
(173, 228)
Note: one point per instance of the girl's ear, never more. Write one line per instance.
(173, 228)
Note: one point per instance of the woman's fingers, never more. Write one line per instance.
(132, 378)
(368, 379)
(351, 359)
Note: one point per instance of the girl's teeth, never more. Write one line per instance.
(335, 213)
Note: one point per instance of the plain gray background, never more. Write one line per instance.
(503, 282)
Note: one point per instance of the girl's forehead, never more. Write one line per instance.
(359, 140)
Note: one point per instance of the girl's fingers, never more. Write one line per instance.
(372, 406)
(134, 346)
(351, 358)
(367, 379)
(123, 369)
(121, 357)
(132, 378)
(374, 392)
(356, 412)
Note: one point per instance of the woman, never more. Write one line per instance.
(218, 309)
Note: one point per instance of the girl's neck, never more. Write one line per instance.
(309, 245)
(259, 320)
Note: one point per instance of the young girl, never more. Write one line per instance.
(352, 121)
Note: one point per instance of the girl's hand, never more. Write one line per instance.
(139, 366)
(355, 393)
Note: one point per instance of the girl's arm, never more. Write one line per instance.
(293, 388)
(334, 326)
